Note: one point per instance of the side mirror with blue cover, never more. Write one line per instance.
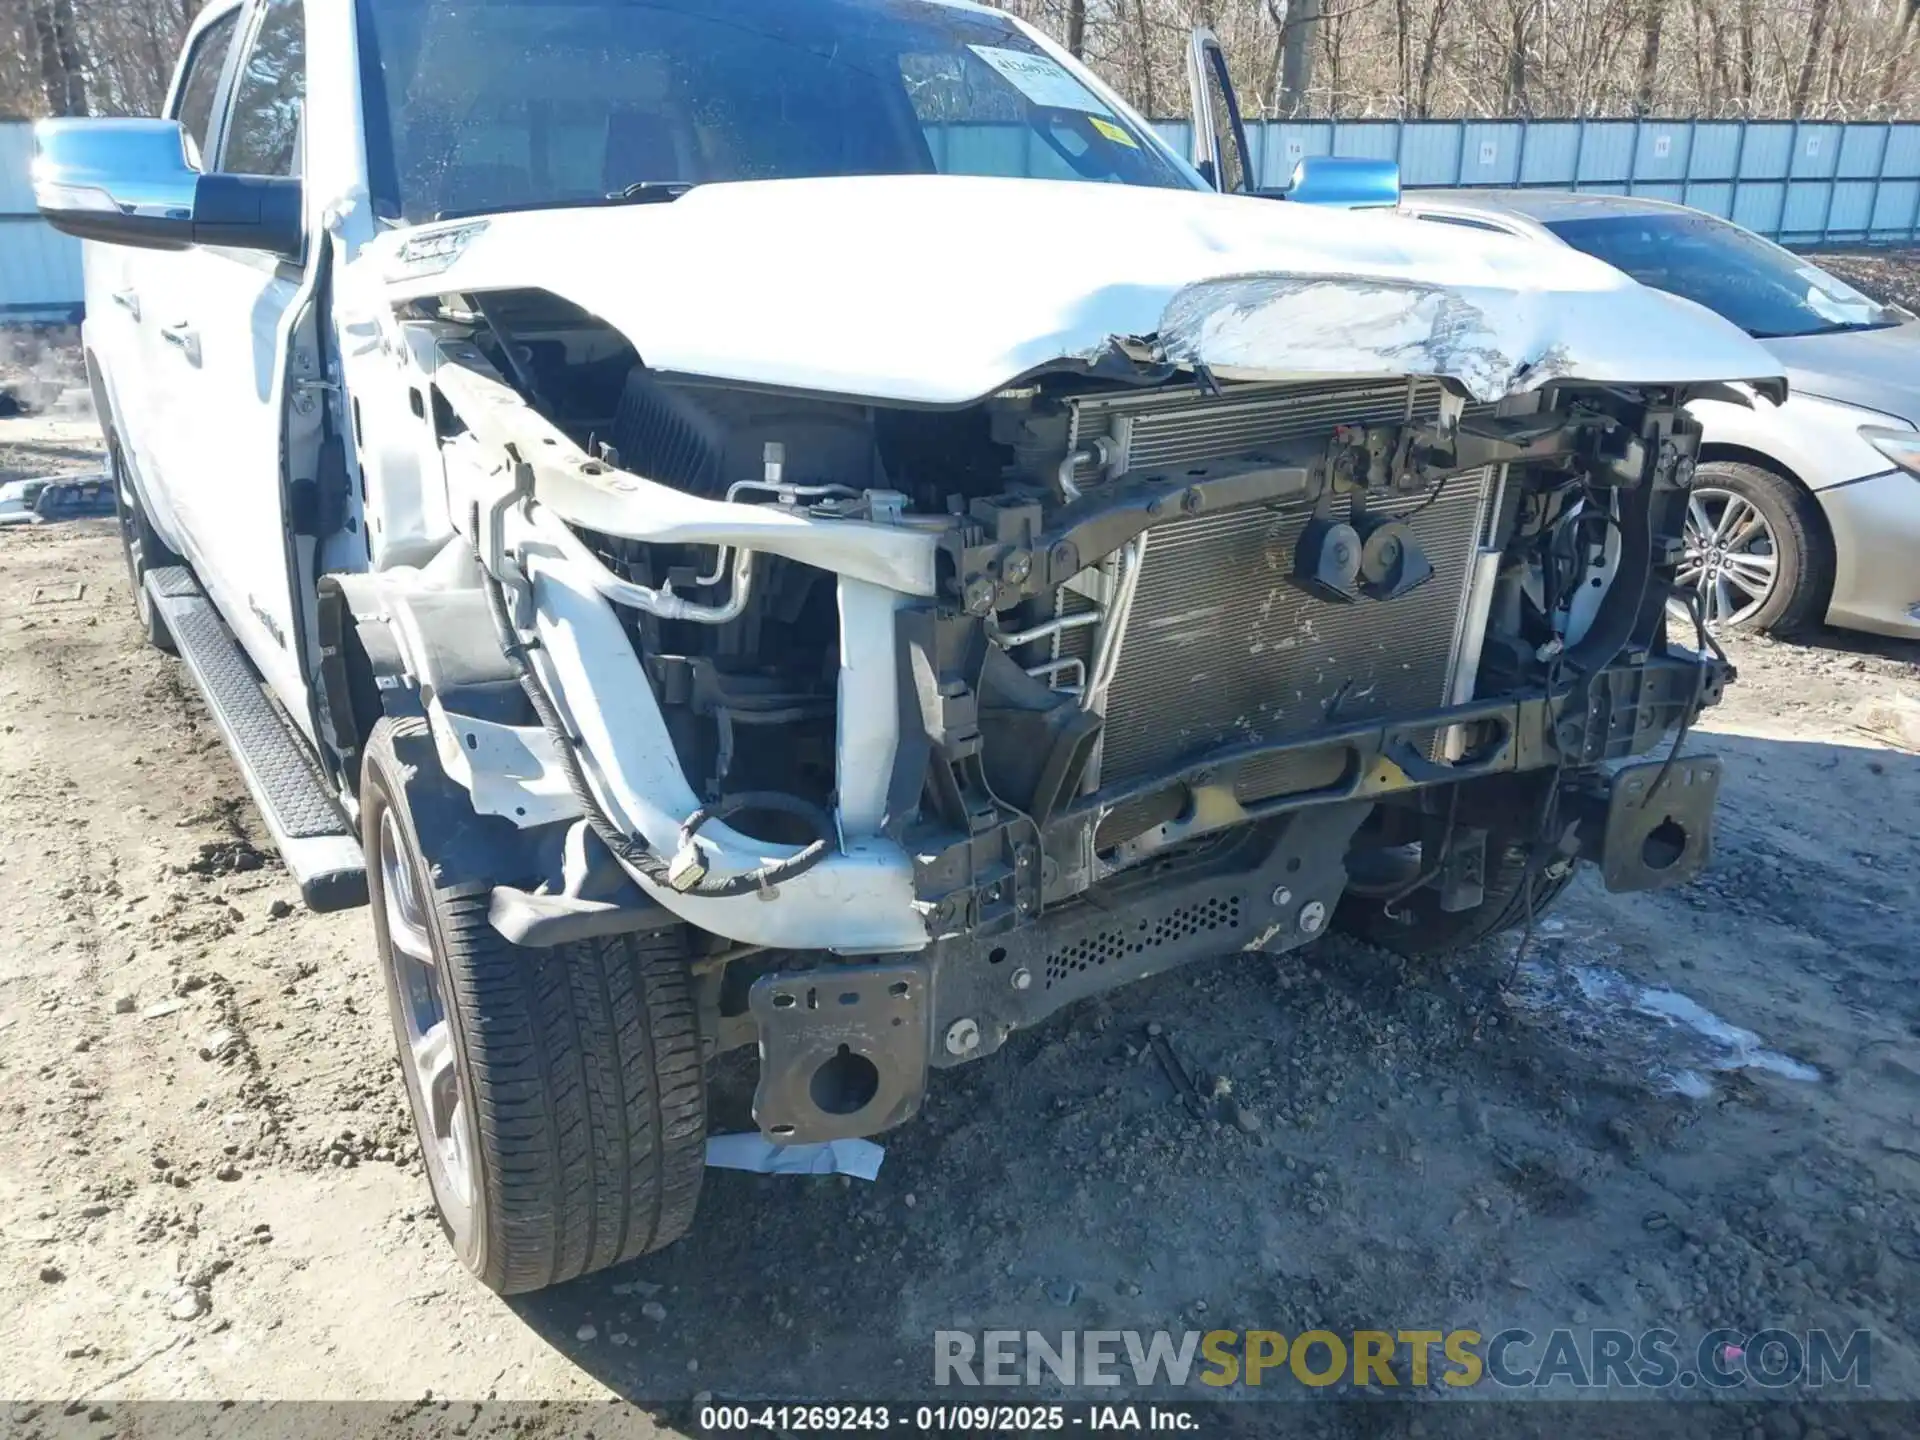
(1345, 182)
(129, 182)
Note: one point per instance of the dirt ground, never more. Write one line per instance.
(1692, 1109)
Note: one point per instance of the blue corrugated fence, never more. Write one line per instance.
(1800, 182)
(39, 267)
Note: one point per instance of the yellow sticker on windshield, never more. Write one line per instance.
(1113, 132)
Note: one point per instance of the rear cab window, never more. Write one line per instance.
(200, 86)
(269, 95)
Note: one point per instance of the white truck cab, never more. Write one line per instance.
(803, 525)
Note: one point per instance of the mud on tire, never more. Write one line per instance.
(581, 1088)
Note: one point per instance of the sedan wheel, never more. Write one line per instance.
(1757, 554)
(1732, 556)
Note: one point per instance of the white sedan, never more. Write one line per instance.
(1803, 512)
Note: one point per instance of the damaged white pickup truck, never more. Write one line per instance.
(802, 524)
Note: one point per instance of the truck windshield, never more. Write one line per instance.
(481, 105)
(1768, 292)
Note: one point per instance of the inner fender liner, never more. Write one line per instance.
(386, 648)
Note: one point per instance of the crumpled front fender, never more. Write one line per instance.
(1492, 343)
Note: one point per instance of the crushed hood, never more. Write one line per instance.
(938, 290)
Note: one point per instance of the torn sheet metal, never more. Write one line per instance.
(753, 1151)
(1492, 342)
(906, 288)
(590, 493)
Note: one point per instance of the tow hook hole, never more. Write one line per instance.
(782, 1000)
(1664, 845)
(996, 955)
(844, 1084)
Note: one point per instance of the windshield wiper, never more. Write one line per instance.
(641, 192)
(1838, 327)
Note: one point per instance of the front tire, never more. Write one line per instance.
(559, 1095)
(1416, 926)
(143, 549)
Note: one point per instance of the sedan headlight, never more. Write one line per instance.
(1902, 447)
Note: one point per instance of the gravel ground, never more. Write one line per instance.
(38, 367)
(1694, 1109)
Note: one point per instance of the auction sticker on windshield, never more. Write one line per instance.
(1042, 80)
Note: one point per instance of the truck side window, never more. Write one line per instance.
(263, 130)
(197, 91)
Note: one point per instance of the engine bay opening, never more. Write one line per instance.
(1164, 608)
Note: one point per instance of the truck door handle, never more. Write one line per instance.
(129, 301)
(185, 339)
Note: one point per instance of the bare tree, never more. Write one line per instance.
(1429, 58)
(63, 80)
(1519, 18)
(1821, 59)
(1810, 56)
(1296, 56)
(1653, 23)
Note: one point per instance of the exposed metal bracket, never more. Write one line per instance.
(1653, 826)
(843, 1050)
(509, 770)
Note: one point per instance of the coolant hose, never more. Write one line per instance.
(634, 850)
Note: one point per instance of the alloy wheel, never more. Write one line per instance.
(1732, 556)
(428, 1048)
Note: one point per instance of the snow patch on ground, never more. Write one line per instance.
(1604, 1005)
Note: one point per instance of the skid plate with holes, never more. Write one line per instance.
(843, 1052)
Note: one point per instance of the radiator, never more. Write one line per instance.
(1221, 648)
